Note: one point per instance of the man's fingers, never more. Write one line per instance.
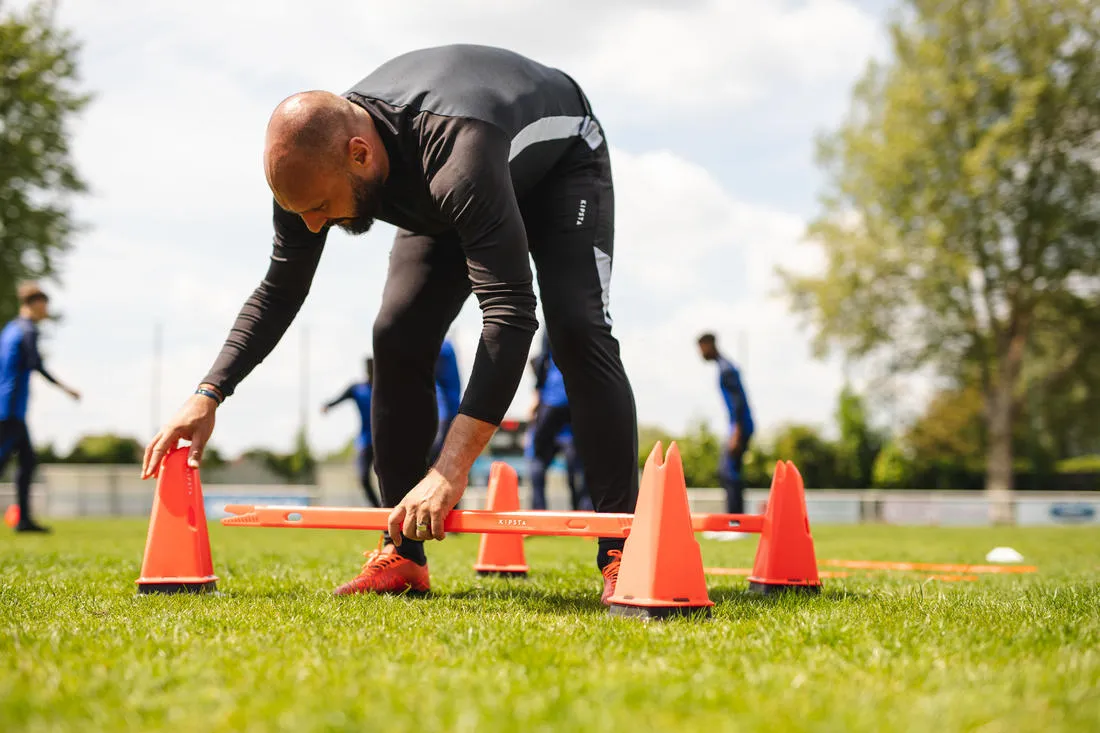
(148, 455)
(437, 514)
(411, 519)
(198, 443)
(152, 456)
(425, 518)
(397, 516)
(166, 441)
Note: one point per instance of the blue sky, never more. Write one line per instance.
(710, 107)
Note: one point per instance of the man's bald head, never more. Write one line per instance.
(309, 130)
(324, 160)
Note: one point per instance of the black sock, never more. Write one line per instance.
(608, 543)
(410, 549)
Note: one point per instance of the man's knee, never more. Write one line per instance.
(574, 334)
(402, 345)
(390, 337)
(28, 461)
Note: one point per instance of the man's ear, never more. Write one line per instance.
(360, 152)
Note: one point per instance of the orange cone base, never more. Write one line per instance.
(181, 585)
(766, 588)
(499, 554)
(625, 610)
(503, 571)
(661, 572)
(177, 549)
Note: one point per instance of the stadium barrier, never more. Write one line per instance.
(65, 491)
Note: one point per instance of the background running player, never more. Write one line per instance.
(448, 395)
(740, 421)
(551, 432)
(360, 393)
(19, 357)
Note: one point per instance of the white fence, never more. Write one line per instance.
(64, 490)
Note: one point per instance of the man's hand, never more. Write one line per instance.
(435, 496)
(324, 409)
(420, 515)
(194, 422)
(73, 393)
(735, 441)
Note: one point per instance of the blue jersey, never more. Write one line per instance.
(18, 358)
(549, 382)
(733, 392)
(448, 384)
(360, 393)
(553, 386)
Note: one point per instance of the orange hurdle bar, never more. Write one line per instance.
(929, 566)
(573, 524)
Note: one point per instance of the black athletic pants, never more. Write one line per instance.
(425, 289)
(549, 422)
(366, 460)
(730, 475)
(16, 440)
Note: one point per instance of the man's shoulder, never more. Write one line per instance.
(487, 83)
(16, 328)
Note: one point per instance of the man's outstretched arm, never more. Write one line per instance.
(273, 305)
(34, 360)
(259, 326)
(347, 394)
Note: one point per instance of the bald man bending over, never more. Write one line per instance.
(480, 157)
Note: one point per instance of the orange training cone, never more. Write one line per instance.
(11, 516)
(177, 549)
(500, 554)
(785, 556)
(662, 567)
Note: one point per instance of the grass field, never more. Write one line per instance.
(80, 650)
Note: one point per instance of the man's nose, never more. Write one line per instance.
(314, 221)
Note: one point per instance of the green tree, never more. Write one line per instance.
(700, 454)
(950, 432)
(38, 72)
(48, 454)
(859, 443)
(342, 455)
(758, 466)
(963, 198)
(212, 458)
(893, 467)
(1060, 390)
(814, 456)
(297, 466)
(301, 463)
(648, 435)
(699, 451)
(106, 448)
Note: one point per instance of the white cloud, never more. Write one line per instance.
(665, 56)
(180, 214)
(700, 260)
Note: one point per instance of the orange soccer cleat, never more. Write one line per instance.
(387, 572)
(611, 576)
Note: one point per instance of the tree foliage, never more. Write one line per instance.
(298, 466)
(106, 448)
(962, 214)
(38, 74)
(859, 443)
